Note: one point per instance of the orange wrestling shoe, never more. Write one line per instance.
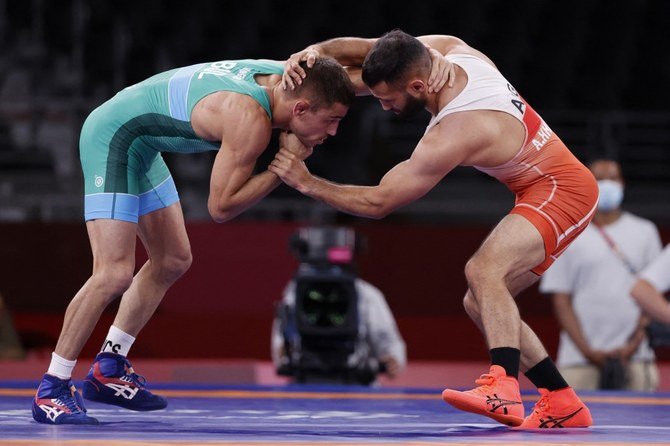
(558, 408)
(497, 397)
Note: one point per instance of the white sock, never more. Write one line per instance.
(61, 367)
(117, 341)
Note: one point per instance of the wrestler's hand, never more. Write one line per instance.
(441, 72)
(391, 365)
(293, 72)
(291, 143)
(290, 169)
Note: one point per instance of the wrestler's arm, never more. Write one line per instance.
(351, 52)
(348, 51)
(438, 152)
(245, 133)
(356, 77)
(651, 301)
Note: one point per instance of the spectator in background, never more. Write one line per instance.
(602, 330)
(652, 282)
(10, 346)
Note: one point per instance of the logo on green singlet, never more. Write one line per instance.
(225, 68)
(99, 181)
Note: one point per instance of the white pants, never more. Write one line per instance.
(642, 376)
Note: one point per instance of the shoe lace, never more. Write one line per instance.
(66, 398)
(485, 382)
(542, 405)
(139, 380)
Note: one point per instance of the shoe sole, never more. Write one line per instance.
(88, 421)
(584, 421)
(120, 404)
(93, 395)
(454, 398)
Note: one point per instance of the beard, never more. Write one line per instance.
(412, 106)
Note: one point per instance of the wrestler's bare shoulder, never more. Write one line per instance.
(452, 45)
(227, 109)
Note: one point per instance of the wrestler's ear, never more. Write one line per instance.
(301, 107)
(417, 86)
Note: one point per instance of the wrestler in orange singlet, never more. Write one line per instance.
(481, 121)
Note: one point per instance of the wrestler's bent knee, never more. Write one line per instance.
(471, 306)
(113, 281)
(173, 266)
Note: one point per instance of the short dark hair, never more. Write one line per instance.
(394, 57)
(326, 84)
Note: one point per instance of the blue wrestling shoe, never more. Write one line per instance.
(58, 402)
(112, 380)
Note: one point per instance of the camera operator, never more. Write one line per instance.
(332, 326)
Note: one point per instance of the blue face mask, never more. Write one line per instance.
(611, 195)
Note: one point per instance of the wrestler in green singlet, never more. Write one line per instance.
(124, 173)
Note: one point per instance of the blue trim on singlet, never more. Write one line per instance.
(159, 197)
(114, 205)
(127, 207)
(178, 86)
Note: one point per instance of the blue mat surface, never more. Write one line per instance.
(332, 414)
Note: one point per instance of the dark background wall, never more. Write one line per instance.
(587, 54)
(223, 307)
(596, 70)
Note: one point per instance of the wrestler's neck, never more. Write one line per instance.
(437, 101)
(607, 218)
(280, 106)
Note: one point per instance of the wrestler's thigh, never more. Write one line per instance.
(513, 248)
(112, 241)
(163, 232)
(515, 285)
(519, 283)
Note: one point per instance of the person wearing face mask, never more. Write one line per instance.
(602, 342)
